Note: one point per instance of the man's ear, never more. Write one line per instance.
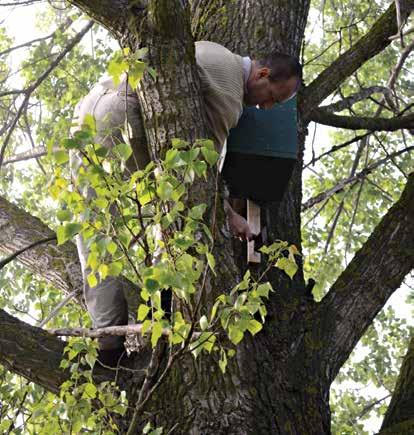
(264, 72)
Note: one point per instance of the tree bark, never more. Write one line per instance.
(36, 355)
(57, 265)
(399, 417)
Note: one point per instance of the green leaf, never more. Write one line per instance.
(254, 326)
(211, 261)
(60, 234)
(156, 333)
(197, 211)
(92, 281)
(123, 150)
(214, 310)
(135, 73)
(223, 361)
(116, 67)
(72, 229)
(67, 232)
(287, 265)
(151, 285)
(143, 310)
(235, 334)
(165, 190)
(211, 156)
(89, 391)
(103, 271)
(61, 157)
(101, 203)
(71, 144)
(112, 247)
(90, 359)
(152, 72)
(241, 299)
(200, 168)
(179, 143)
(263, 290)
(64, 215)
(203, 323)
(115, 268)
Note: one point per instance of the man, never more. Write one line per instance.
(228, 81)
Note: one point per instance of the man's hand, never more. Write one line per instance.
(238, 224)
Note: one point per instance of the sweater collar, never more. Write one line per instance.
(247, 66)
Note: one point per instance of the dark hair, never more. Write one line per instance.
(282, 66)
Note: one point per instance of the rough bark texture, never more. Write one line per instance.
(35, 355)
(57, 265)
(400, 414)
(279, 381)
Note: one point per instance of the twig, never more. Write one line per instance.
(349, 101)
(52, 35)
(58, 307)
(341, 185)
(27, 155)
(120, 330)
(336, 148)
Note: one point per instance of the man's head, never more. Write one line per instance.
(273, 79)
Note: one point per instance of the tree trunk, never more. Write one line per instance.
(400, 413)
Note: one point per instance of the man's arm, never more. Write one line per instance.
(238, 224)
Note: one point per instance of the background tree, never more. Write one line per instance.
(279, 382)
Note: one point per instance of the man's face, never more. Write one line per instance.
(265, 93)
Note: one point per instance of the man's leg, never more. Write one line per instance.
(106, 302)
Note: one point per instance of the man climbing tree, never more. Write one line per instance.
(227, 80)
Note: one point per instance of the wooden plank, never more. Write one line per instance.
(253, 219)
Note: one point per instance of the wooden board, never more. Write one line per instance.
(253, 219)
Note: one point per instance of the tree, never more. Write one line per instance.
(279, 381)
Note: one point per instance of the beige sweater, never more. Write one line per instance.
(222, 85)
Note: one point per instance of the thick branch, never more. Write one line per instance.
(58, 265)
(367, 47)
(399, 417)
(112, 14)
(36, 354)
(362, 123)
(363, 288)
(27, 155)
